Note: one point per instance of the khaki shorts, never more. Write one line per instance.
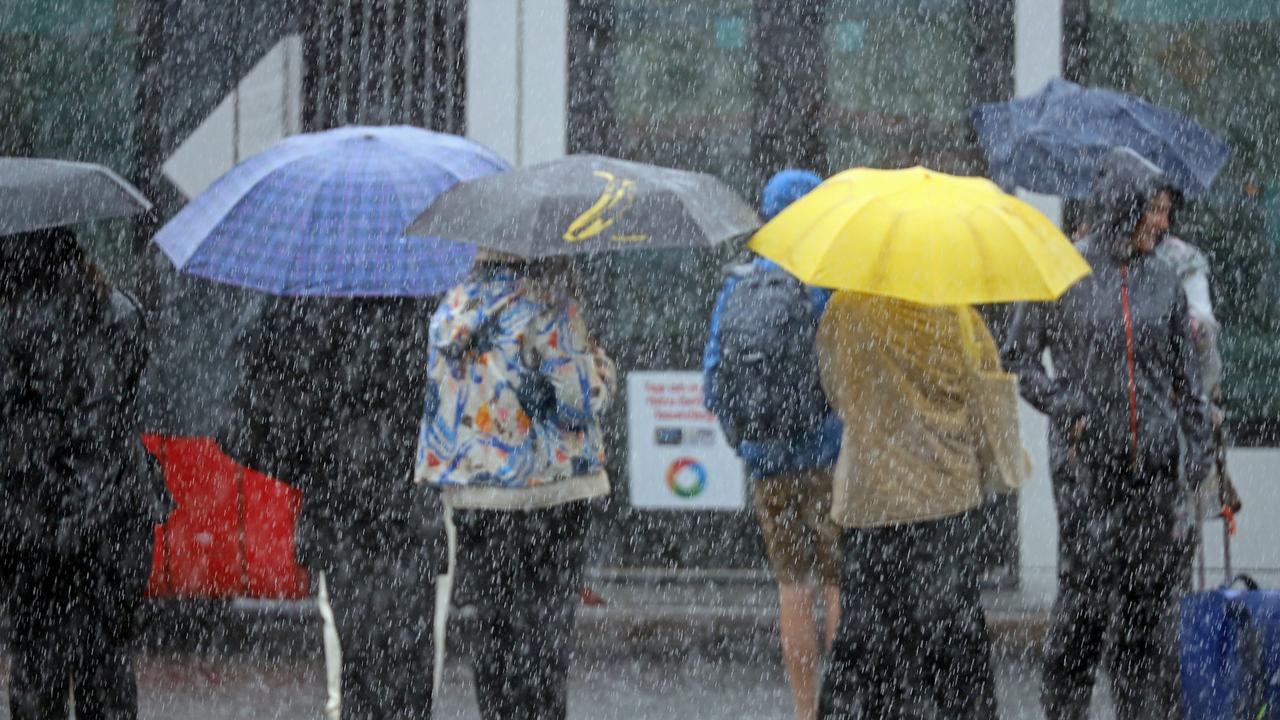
(794, 510)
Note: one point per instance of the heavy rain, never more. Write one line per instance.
(841, 359)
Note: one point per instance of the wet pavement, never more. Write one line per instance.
(739, 679)
(704, 648)
(181, 687)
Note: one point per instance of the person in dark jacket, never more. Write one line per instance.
(79, 497)
(790, 487)
(1126, 379)
(328, 401)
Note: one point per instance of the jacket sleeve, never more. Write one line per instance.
(711, 354)
(831, 344)
(582, 376)
(989, 353)
(104, 428)
(1029, 336)
(1193, 408)
(1205, 331)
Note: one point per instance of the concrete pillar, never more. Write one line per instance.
(1037, 58)
(517, 77)
(264, 107)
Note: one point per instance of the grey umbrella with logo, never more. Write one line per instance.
(36, 193)
(587, 204)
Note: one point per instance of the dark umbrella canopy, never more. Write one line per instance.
(36, 193)
(1051, 142)
(585, 204)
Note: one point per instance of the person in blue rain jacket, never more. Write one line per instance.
(791, 484)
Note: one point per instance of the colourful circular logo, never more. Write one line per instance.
(686, 477)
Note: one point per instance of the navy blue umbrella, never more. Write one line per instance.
(1050, 142)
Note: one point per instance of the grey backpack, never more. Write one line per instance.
(768, 380)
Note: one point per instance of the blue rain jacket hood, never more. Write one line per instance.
(784, 188)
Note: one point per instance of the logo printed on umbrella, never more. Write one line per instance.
(686, 477)
(613, 203)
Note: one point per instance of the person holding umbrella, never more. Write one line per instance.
(331, 372)
(1055, 141)
(1216, 496)
(1126, 380)
(325, 402)
(79, 496)
(511, 430)
(511, 433)
(916, 643)
(929, 420)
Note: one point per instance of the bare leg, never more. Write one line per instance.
(831, 598)
(800, 647)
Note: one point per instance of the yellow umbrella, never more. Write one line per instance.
(922, 236)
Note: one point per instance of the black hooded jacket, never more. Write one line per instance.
(75, 473)
(329, 400)
(1132, 408)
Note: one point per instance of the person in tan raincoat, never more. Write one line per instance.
(912, 640)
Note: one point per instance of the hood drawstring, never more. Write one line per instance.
(1129, 354)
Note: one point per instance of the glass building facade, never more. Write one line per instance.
(898, 85)
(711, 86)
(67, 91)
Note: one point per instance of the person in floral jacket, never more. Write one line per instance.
(511, 436)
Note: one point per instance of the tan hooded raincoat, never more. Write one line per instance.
(900, 378)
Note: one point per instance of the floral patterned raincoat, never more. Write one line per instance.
(516, 391)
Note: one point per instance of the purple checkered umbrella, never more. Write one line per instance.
(324, 214)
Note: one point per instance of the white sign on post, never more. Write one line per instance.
(678, 455)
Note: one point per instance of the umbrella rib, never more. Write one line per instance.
(827, 213)
(457, 172)
(1029, 257)
(882, 263)
(203, 210)
(788, 260)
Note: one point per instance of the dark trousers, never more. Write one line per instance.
(382, 599)
(1118, 577)
(526, 573)
(72, 625)
(912, 640)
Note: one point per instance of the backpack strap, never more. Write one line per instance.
(1245, 581)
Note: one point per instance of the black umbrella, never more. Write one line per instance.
(587, 203)
(36, 193)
